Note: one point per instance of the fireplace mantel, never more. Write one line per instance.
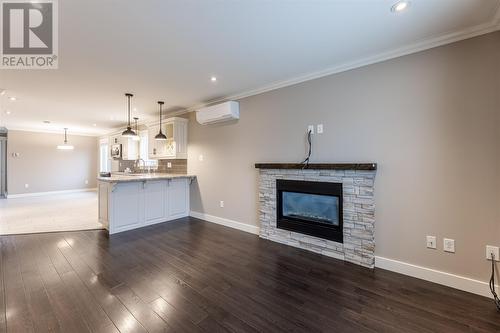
(318, 166)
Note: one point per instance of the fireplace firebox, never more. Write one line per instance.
(311, 208)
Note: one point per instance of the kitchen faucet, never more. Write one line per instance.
(137, 164)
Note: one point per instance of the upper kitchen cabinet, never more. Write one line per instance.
(175, 147)
(129, 147)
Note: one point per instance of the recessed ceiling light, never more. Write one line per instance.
(213, 79)
(7, 112)
(94, 125)
(400, 6)
(12, 98)
(2, 91)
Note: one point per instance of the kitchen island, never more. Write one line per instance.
(130, 201)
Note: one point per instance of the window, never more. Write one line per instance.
(104, 162)
(144, 151)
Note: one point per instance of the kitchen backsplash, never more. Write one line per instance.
(177, 166)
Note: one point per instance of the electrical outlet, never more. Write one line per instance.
(221, 204)
(86, 181)
(319, 129)
(26, 185)
(431, 242)
(492, 250)
(310, 128)
(449, 245)
(169, 164)
(200, 158)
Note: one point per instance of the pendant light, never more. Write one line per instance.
(128, 132)
(65, 146)
(160, 136)
(136, 129)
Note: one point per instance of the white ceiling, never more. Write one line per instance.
(166, 49)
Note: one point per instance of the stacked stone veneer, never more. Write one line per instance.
(358, 213)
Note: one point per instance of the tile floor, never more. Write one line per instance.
(61, 212)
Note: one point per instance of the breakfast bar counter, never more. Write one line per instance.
(131, 201)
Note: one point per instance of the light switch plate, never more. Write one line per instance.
(449, 245)
(200, 158)
(431, 242)
(319, 129)
(169, 164)
(310, 128)
(221, 204)
(492, 250)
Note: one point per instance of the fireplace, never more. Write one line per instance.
(310, 207)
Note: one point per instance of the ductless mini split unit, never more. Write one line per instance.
(218, 113)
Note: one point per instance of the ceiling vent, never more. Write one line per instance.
(218, 113)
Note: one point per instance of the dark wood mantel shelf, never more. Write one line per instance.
(318, 166)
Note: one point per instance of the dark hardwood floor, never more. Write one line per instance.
(192, 276)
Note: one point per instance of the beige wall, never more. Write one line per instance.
(45, 168)
(430, 120)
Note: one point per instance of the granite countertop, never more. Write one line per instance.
(121, 177)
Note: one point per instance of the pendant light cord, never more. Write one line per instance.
(128, 104)
(161, 104)
(160, 117)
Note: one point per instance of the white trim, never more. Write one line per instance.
(39, 194)
(474, 31)
(226, 222)
(430, 43)
(433, 275)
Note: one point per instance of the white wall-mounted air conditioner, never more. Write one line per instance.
(218, 113)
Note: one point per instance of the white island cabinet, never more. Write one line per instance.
(135, 201)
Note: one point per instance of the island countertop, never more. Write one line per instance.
(124, 177)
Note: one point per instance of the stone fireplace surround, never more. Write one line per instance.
(358, 210)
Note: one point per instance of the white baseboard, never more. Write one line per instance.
(226, 222)
(39, 194)
(447, 279)
(432, 275)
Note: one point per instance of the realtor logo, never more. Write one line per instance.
(29, 34)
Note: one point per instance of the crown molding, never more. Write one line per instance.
(478, 30)
(144, 122)
(433, 42)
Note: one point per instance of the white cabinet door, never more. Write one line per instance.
(178, 198)
(176, 144)
(127, 206)
(155, 201)
(180, 138)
